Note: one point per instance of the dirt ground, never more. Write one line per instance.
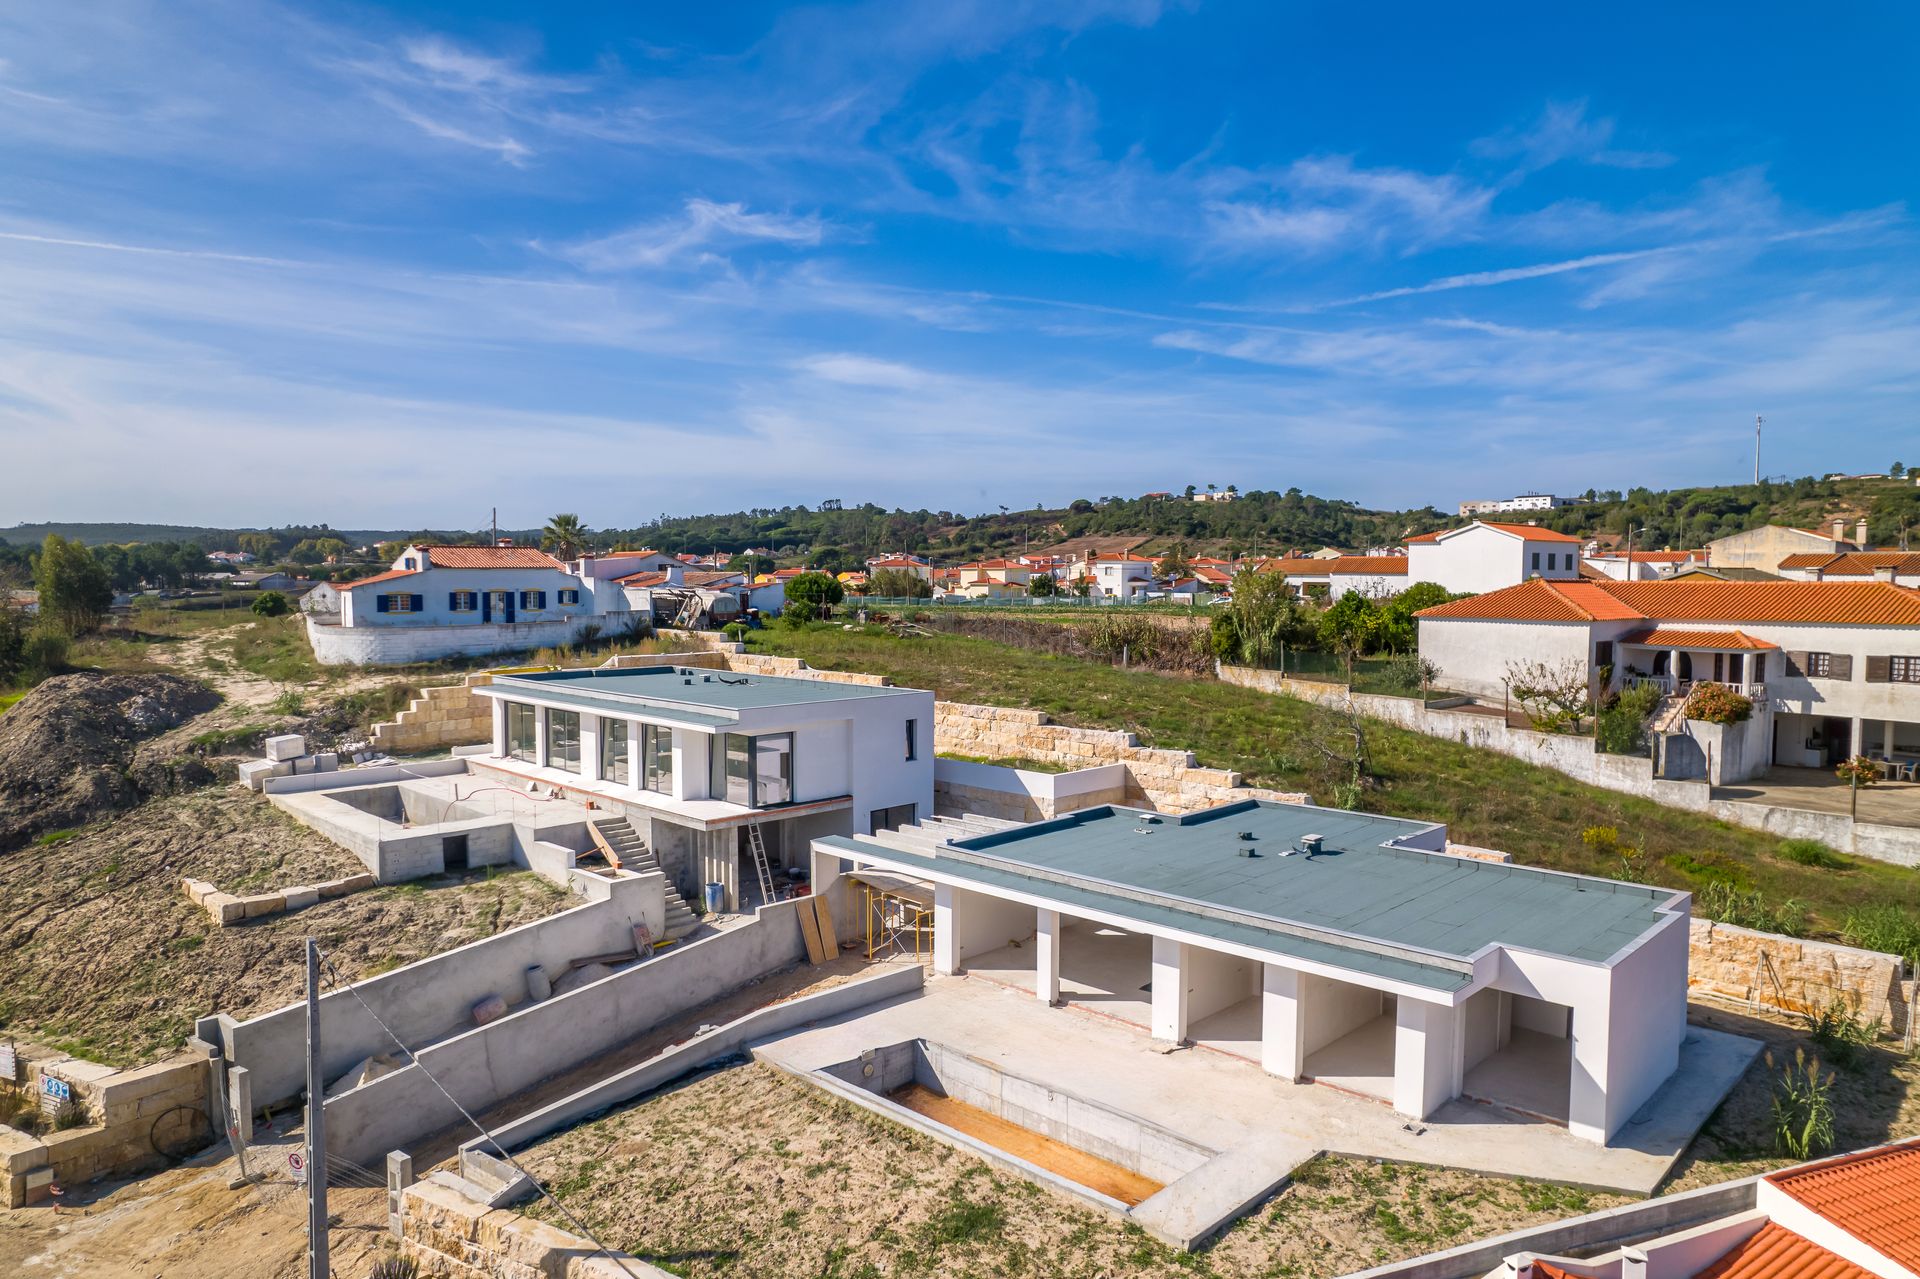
(102, 955)
(749, 1171)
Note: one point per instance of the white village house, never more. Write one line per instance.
(1374, 576)
(445, 601)
(1486, 556)
(1833, 668)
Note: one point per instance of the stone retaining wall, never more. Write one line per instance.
(227, 909)
(131, 1116)
(444, 715)
(453, 1235)
(1170, 781)
(1796, 976)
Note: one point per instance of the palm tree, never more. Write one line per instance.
(565, 536)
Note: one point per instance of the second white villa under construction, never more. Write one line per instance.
(1339, 947)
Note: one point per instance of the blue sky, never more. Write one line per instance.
(398, 266)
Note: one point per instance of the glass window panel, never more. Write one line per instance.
(738, 763)
(659, 760)
(563, 740)
(520, 732)
(772, 769)
(616, 761)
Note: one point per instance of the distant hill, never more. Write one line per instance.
(1691, 517)
(214, 539)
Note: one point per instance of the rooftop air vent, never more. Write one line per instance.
(1246, 835)
(1311, 844)
(1245, 850)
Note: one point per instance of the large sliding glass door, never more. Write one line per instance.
(754, 772)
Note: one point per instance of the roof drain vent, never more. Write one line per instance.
(1312, 844)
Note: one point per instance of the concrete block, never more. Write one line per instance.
(254, 772)
(301, 897)
(286, 746)
(351, 884)
(197, 890)
(264, 904)
(326, 762)
(304, 764)
(225, 908)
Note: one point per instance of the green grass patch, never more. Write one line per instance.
(276, 648)
(1811, 852)
(1485, 798)
(1011, 761)
(216, 740)
(53, 837)
(1885, 926)
(8, 700)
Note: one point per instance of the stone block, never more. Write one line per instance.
(197, 890)
(225, 908)
(300, 897)
(304, 764)
(286, 746)
(350, 884)
(326, 761)
(20, 1152)
(264, 904)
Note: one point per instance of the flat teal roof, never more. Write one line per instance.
(1361, 903)
(692, 688)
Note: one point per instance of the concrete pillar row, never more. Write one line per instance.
(1283, 1022)
(1046, 955)
(1169, 990)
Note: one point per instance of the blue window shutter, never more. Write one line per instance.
(419, 603)
(380, 603)
(453, 601)
(539, 599)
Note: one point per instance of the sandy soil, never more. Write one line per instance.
(749, 1171)
(101, 953)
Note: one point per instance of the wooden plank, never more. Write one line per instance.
(829, 935)
(810, 932)
(613, 858)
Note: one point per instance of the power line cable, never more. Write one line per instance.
(477, 1126)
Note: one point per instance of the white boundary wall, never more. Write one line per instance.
(1575, 756)
(399, 645)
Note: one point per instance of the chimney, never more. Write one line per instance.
(1861, 540)
(503, 541)
(1887, 573)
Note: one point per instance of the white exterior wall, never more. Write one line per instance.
(1647, 1020)
(1473, 655)
(1122, 579)
(1852, 698)
(1481, 559)
(357, 607)
(1216, 980)
(1335, 1008)
(337, 645)
(1371, 585)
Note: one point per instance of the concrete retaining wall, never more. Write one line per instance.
(493, 1062)
(1628, 774)
(682, 1059)
(1020, 794)
(1797, 976)
(433, 998)
(377, 775)
(1632, 1223)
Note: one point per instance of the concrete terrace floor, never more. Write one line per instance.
(1884, 803)
(1225, 1102)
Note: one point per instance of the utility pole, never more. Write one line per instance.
(496, 526)
(1757, 421)
(316, 1127)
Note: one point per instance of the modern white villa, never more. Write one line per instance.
(703, 764)
(1337, 947)
(1833, 667)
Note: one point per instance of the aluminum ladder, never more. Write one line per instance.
(757, 845)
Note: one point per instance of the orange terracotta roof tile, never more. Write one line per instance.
(1775, 1252)
(387, 576)
(1807, 559)
(489, 557)
(1669, 637)
(1863, 563)
(1870, 1195)
(1689, 600)
(643, 579)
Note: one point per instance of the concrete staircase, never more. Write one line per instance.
(1671, 715)
(632, 853)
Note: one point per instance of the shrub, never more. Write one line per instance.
(270, 604)
(1717, 704)
(395, 1267)
(1859, 770)
(47, 650)
(1841, 1032)
(1802, 1107)
(1412, 672)
(1811, 852)
(1727, 903)
(1621, 728)
(289, 702)
(797, 612)
(735, 631)
(1885, 926)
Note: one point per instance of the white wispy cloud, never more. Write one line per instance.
(510, 150)
(701, 225)
(1565, 131)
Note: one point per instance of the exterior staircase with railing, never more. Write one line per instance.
(625, 850)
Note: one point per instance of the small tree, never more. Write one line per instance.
(75, 591)
(1554, 694)
(1176, 564)
(1264, 613)
(895, 583)
(1857, 772)
(1350, 627)
(817, 592)
(565, 536)
(1043, 585)
(269, 604)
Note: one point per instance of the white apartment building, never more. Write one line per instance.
(1486, 556)
(1510, 505)
(1125, 577)
(695, 759)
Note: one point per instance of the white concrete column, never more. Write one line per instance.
(1425, 1055)
(1587, 1090)
(946, 936)
(540, 735)
(1283, 1022)
(1886, 738)
(1169, 990)
(1859, 738)
(590, 747)
(691, 752)
(240, 1100)
(1046, 957)
(499, 728)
